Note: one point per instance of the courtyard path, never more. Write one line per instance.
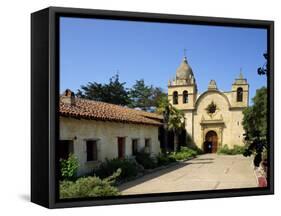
(206, 172)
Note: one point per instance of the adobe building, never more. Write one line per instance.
(212, 118)
(94, 131)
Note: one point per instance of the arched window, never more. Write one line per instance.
(175, 97)
(185, 97)
(239, 94)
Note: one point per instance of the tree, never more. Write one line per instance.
(164, 109)
(255, 120)
(158, 95)
(145, 97)
(255, 126)
(176, 123)
(264, 69)
(114, 92)
(173, 120)
(141, 95)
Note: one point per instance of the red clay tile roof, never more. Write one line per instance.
(95, 110)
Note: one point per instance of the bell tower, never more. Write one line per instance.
(240, 92)
(182, 90)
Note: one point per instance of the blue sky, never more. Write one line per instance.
(95, 50)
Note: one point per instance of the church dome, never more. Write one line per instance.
(184, 71)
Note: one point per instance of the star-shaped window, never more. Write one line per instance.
(211, 108)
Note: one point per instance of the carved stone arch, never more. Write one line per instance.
(208, 92)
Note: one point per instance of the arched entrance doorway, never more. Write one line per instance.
(211, 142)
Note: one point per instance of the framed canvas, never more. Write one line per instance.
(139, 107)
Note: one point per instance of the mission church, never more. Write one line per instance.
(212, 118)
(95, 130)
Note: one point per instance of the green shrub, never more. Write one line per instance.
(197, 150)
(89, 187)
(163, 160)
(145, 160)
(234, 151)
(238, 149)
(128, 167)
(69, 167)
(223, 150)
(184, 153)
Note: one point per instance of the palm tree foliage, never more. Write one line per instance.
(173, 120)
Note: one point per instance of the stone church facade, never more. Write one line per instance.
(212, 118)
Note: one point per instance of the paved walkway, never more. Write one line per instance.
(206, 172)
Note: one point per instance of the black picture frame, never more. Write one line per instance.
(45, 100)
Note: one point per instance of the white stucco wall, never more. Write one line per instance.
(106, 133)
